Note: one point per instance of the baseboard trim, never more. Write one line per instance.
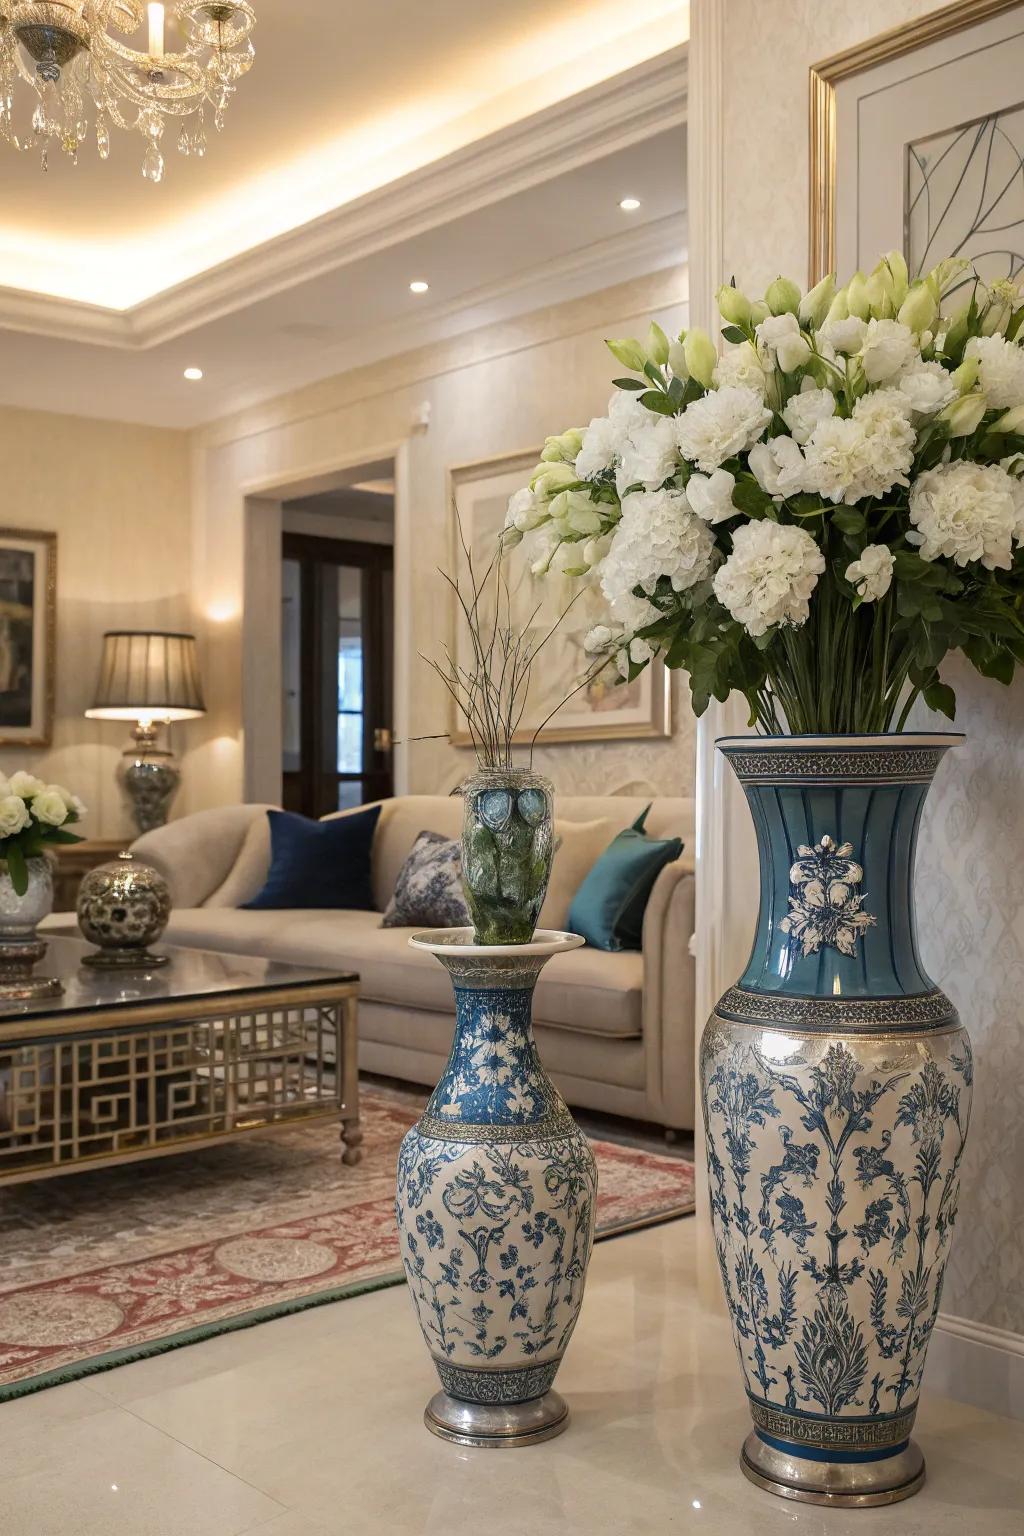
(976, 1364)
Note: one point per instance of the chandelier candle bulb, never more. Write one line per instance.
(156, 31)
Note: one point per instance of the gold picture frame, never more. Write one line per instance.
(829, 73)
(28, 636)
(478, 492)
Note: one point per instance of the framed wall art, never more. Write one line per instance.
(917, 143)
(604, 710)
(28, 625)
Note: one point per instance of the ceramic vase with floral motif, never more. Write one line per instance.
(836, 1082)
(497, 1194)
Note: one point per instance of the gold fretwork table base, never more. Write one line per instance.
(78, 1090)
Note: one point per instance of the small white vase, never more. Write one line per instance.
(20, 946)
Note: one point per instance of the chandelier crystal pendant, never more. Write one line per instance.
(69, 52)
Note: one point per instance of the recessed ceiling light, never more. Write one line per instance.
(630, 204)
(193, 375)
(419, 286)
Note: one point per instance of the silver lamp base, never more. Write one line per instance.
(496, 1425)
(846, 1485)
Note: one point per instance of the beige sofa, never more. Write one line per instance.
(615, 1030)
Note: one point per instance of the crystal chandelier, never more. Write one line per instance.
(69, 51)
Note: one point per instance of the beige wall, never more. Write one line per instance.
(492, 392)
(971, 895)
(117, 497)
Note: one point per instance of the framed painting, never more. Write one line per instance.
(28, 627)
(917, 143)
(602, 710)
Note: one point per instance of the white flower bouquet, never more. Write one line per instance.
(33, 815)
(819, 516)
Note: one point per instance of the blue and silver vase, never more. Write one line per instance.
(836, 1081)
(497, 1195)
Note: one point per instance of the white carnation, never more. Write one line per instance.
(1001, 374)
(927, 386)
(778, 466)
(657, 536)
(600, 450)
(872, 573)
(805, 410)
(770, 575)
(844, 335)
(525, 511)
(601, 638)
(888, 347)
(741, 366)
(14, 816)
(710, 496)
(1014, 467)
(965, 512)
(648, 453)
(865, 455)
(780, 343)
(721, 425)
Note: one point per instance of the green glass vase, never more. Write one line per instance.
(507, 849)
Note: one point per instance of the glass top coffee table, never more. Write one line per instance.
(130, 1065)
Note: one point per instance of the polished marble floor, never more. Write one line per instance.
(311, 1426)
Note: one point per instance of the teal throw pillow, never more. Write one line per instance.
(608, 909)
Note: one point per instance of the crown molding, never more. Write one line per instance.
(619, 112)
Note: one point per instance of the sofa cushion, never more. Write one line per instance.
(316, 864)
(428, 892)
(608, 908)
(249, 874)
(577, 845)
(586, 990)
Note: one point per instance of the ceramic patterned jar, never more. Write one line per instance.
(123, 907)
(21, 948)
(836, 1081)
(497, 1196)
(507, 850)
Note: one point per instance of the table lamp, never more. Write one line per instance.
(150, 677)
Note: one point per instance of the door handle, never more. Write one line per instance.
(382, 739)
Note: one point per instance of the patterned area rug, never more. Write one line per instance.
(105, 1267)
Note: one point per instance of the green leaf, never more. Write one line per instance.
(654, 401)
(18, 868)
(61, 835)
(849, 520)
(748, 496)
(655, 374)
(635, 384)
(941, 698)
(733, 333)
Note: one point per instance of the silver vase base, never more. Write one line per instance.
(30, 990)
(496, 1426)
(124, 960)
(841, 1484)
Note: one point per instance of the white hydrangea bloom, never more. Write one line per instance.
(657, 536)
(741, 366)
(720, 425)
(844, 335)
(965, 512)
(805, 410)
(710, 496)
(1001, 374)
(866, 455)
(888, 347)
(770, 575)
(779, 342)
(927, 386)
(778, 466)
(872, 573)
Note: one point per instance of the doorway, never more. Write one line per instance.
(337, 627)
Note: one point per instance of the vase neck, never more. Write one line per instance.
(837, 837)
(493, 1075)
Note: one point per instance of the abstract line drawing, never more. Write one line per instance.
(965, 196)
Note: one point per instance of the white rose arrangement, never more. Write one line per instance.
(33, 815)
(818, 516)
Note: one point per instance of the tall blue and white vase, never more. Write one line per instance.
(836, 1082)
(497, 1196)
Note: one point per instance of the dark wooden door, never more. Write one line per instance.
(337, 628)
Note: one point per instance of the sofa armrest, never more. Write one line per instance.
(196, 854)
(668, 1017)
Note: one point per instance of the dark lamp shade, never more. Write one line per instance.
(148, 676)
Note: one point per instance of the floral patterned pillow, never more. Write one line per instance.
(428, 891)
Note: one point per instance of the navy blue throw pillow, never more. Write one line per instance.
(319, 863)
